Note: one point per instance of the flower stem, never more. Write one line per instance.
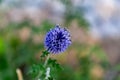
(45, 64)
(19, 73)
(37, 78)
(46, 61)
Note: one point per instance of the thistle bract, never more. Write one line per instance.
(57, 40)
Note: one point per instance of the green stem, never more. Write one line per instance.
(45, 64)
(46, 61)
(37, 78)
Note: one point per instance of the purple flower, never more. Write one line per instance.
(57, 40)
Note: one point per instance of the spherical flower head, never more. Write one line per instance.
(57, 40)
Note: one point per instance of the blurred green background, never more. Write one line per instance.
(23, 25)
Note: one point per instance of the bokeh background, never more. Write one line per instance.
(95, 30)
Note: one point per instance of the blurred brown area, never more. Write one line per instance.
(111, 47)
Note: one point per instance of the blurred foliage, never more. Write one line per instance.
(42, 28)
(1, 1)
(74, 13)
(117, 67)
(16, 53)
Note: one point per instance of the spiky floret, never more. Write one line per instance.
(57, 40)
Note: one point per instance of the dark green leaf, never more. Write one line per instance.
(44, 53)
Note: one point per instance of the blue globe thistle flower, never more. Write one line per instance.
(57, 40)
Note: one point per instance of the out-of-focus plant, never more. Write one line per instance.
(1, 1)
(18, 48)
(74, 13)
(87, 68)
